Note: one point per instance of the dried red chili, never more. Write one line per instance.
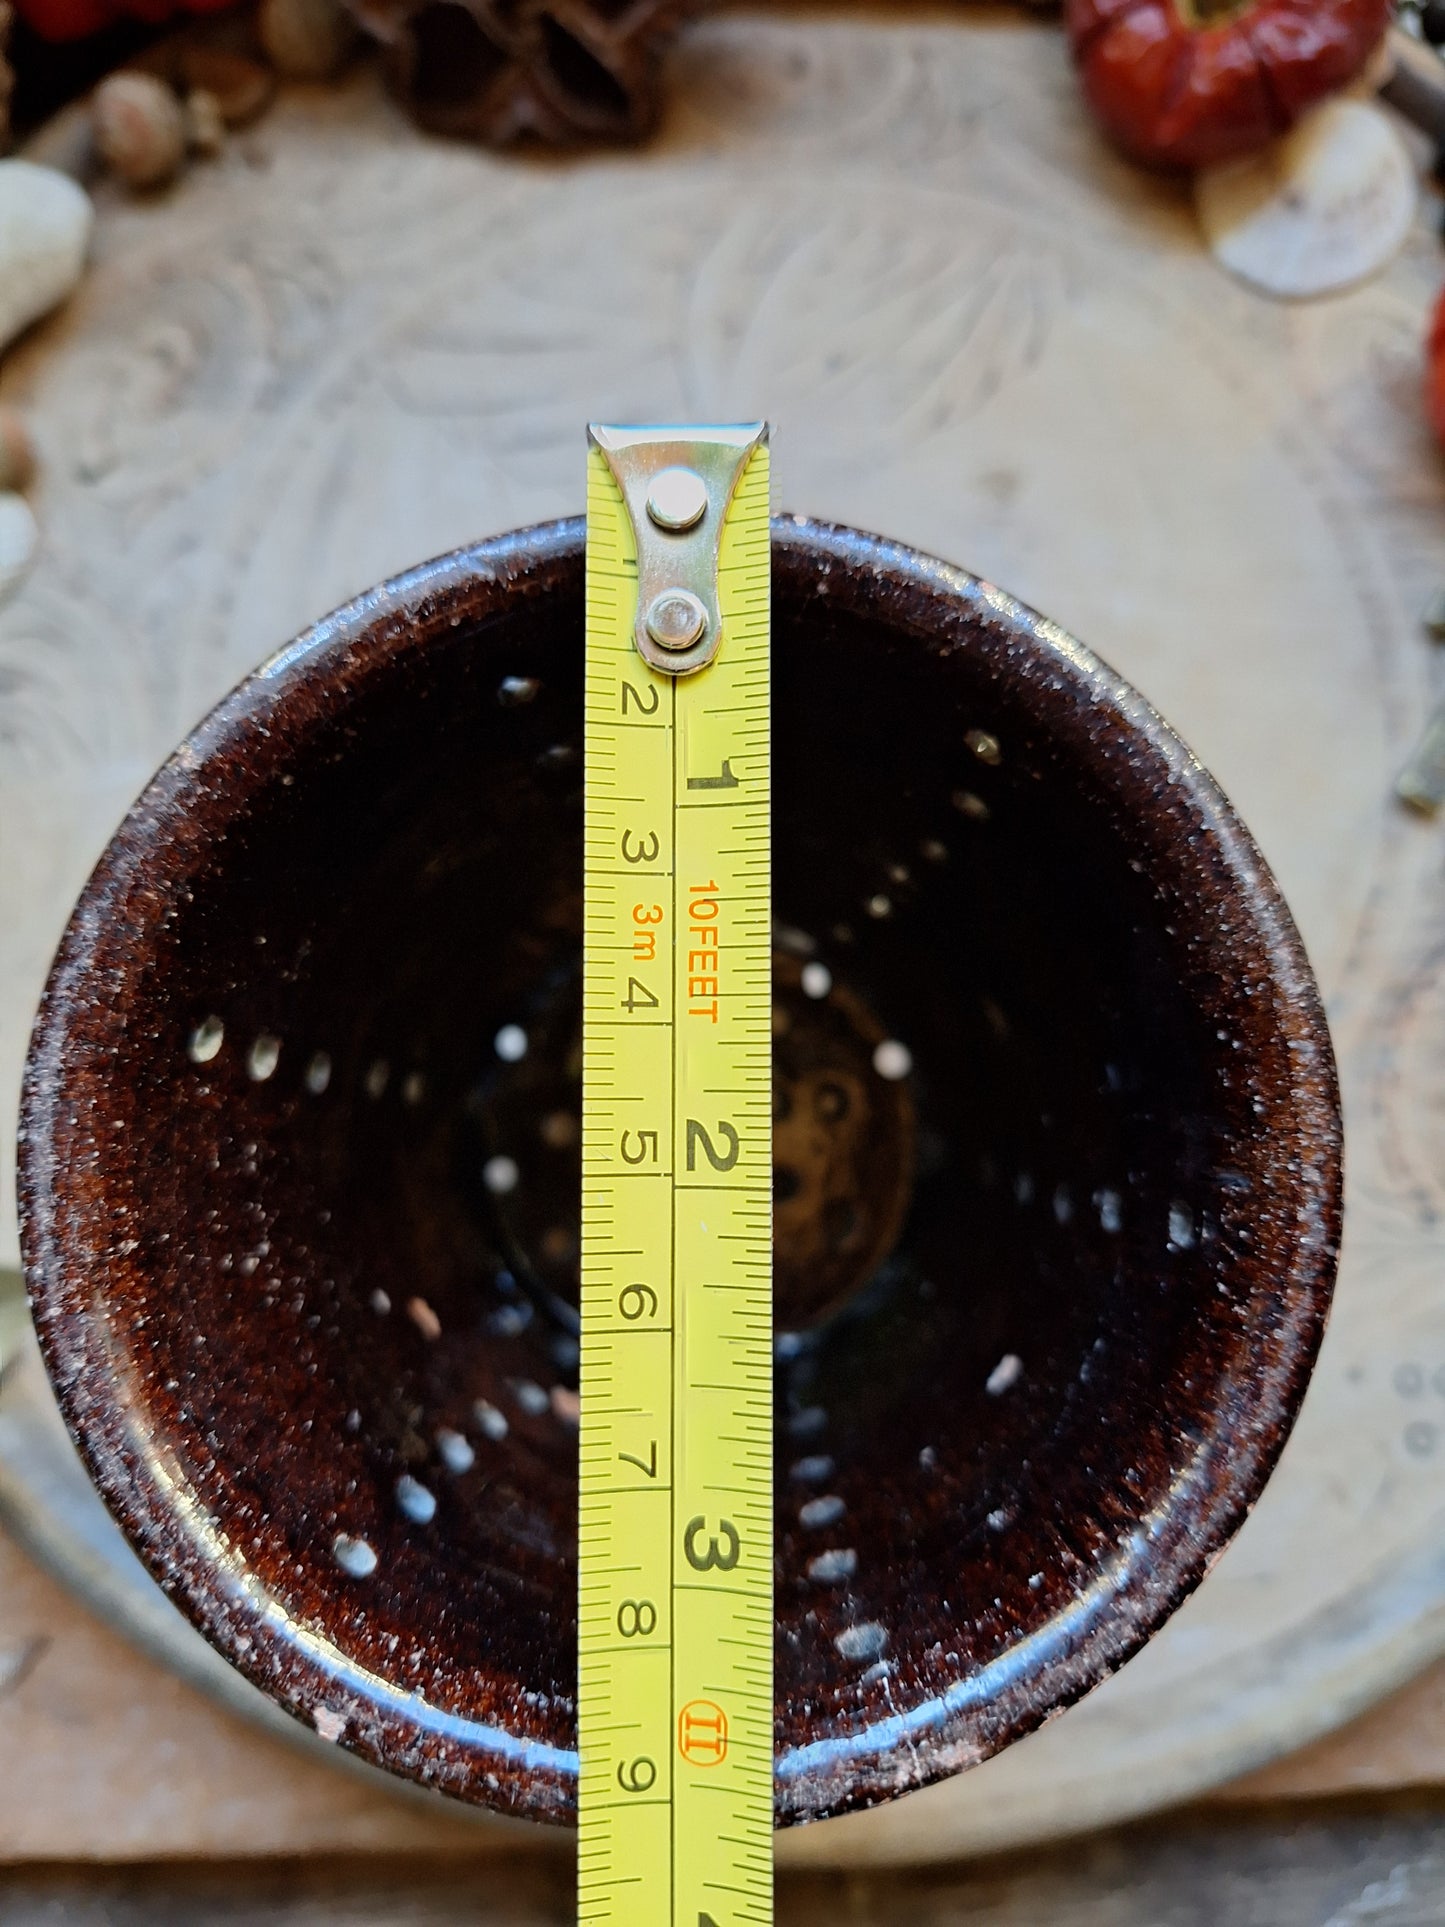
(1186, 83)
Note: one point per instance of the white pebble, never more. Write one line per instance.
(500, 1175)
(1006, 1374)
(491, 1421)
(415, 1500)
(318, 1073)
(45, 222)
(380, 1301)
(892, 1060)
(830, 1567)
(263, 1057)
(1111, 1213)
(510, 1043)
(530, 1396)
(865, 1641)
(817, 980)
(812, 1471)
(456, 1453)
(413, 1088)
(354, 1556)
(206, 1040)
(821, 1512)
(1181, 1227)
(508, 1321)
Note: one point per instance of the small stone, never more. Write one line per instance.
(831, 1568)
(305, 39)
(206, 1040)
(19, 540)
(424, 1318)
(17, 451)
(492, 1422)
(530, 1397)
(1005, 1375)
(865, 1641)
(415, 1501)
(140, 131)
(500, 1175)
(456, 1453)
(513, 691)
(355, 1557)
(892, 1060)
(205, 124)
(243, 89)
(45, 222)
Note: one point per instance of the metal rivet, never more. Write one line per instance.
(676, 619)
(677, 499)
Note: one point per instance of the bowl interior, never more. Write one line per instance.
(1049, 1148)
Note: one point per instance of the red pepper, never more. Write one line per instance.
(1435, 369)
(1187, 83)
(74, 19)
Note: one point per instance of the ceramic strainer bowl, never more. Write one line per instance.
(1057, 1171)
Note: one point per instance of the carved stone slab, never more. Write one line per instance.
(344, 347)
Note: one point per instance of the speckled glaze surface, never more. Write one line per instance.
(299, 1227)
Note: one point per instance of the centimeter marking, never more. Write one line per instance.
(675, 1621)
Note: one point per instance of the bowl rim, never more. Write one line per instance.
(1029, 1682)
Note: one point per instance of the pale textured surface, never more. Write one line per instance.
(117, 1759)
(1375, 1869)
(344, 348)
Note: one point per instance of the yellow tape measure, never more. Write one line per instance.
(676, 1557)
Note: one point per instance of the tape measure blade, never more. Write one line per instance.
(675, 1527)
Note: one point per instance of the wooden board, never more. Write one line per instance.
(344, 347)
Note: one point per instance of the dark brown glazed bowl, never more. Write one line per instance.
(300, 1223)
